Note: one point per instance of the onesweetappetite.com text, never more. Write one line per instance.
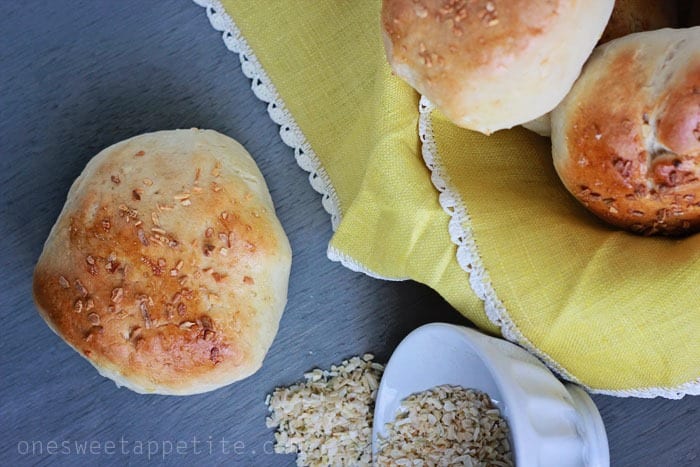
(148, 448)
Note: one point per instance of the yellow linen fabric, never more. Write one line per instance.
(616, 311)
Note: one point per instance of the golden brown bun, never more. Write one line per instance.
(630, 16)
(167, 268)
(626, 140)
(490, 65)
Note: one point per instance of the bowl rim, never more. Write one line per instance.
(467, 337)
(496, 361)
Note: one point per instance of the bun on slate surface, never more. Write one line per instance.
(490, 65)
(626, 140)
(167, 268)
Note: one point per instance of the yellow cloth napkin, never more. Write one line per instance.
(500, 239)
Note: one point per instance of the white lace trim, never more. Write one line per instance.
(265, 91)
(336, 255)
(467, 252)
(291, 134)
(469, 259)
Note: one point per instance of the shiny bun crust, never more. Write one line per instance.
(490, 65)
(626, 140)
(167, 268)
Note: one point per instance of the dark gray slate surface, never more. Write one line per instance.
(78, 76)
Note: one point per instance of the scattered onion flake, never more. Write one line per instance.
(327, 420)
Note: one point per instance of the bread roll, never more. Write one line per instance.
(490, 65)
(630, 16)
(541, 125)
(626, 140)
(167, 268)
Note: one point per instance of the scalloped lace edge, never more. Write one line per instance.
(469, 260)
(336, 255)
(467, 252)
(290, 133)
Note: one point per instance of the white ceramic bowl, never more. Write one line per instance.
(551, 424)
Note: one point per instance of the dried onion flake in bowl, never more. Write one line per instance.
(446, 425)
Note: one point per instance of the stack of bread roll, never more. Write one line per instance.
(618, 88)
